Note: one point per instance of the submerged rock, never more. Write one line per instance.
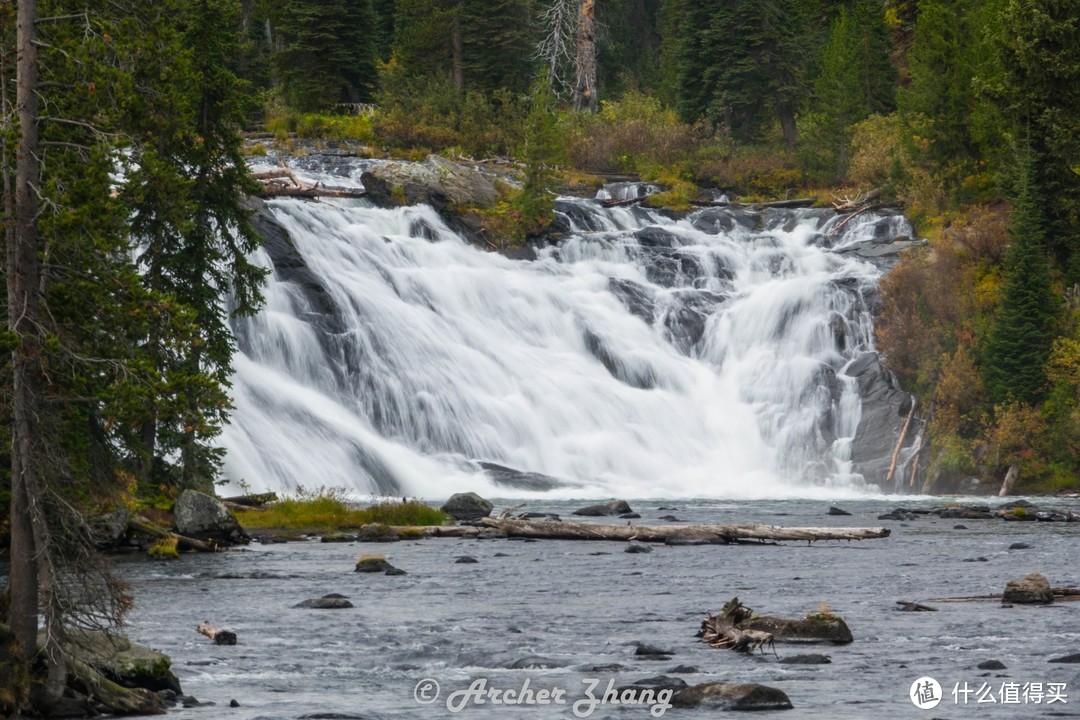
(467, 506)
(1069, 659)
(991, 665)
(659, 682)
(636, 547)
(731, 696)
(811, 659)
(651, 651)
(1031, 590)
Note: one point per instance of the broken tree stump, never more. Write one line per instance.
(218, 635)
(558, 530)
(721, 630)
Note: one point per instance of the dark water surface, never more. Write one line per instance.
(585, 604)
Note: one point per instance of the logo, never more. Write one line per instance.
(925, 693)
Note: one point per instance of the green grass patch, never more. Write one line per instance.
(326, 510)
(164, 549)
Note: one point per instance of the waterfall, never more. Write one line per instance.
(642, 356)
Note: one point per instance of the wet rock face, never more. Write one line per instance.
(885, 406)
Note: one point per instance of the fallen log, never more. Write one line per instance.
(794, 203)
(556, 530)
(142, 525)
(252, 500)
(900, 443)
(620, 203)
(220, 636)
(910, 606)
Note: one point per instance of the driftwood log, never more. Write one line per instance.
(145, 527)
(283, 182)
(556, 530)
(720, 630)
(218, 635)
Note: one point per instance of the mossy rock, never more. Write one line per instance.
(124, 662)
(813, 629)
(372, 564)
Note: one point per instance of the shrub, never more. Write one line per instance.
(629, 134)
(875, 150)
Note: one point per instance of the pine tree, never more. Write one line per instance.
(1020, 340)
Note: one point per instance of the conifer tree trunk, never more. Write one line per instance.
(585, 58)
(22, 296)
(457, 49)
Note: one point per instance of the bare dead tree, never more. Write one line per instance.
(555, 49)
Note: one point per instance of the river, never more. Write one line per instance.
(581, 606)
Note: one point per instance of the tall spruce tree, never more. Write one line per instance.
(1040, 90)
(1023, 331)
(741, 63)
(955, 130)
(855, 78)
(329, 52)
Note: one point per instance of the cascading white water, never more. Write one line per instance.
(642, 357)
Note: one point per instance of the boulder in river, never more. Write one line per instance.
(204, 517)
(467, 506)
(333, 601)
(616, 507)
(731, 696)
(1031, 590)
(635, 547)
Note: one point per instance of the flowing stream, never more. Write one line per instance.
(642, 356)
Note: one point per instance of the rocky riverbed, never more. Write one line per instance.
(560, 614)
